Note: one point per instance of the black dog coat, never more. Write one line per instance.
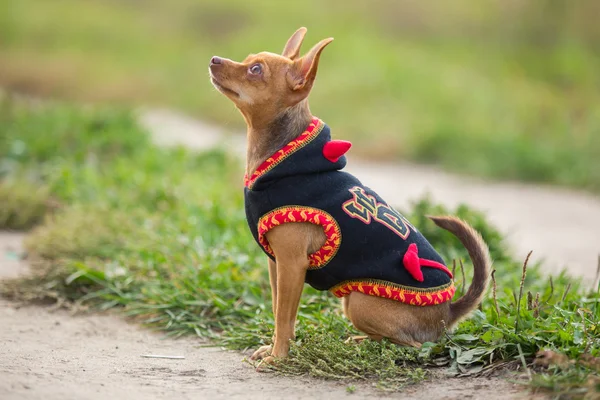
(370, 247)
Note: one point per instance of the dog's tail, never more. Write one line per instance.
(482, 262)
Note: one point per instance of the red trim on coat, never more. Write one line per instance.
(392, 291)
(283, 215)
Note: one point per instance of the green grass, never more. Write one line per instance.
(498, 89)
(160, 234)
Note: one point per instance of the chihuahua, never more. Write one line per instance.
(318, 224)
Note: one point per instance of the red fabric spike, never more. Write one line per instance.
(413, 263)
(334, 149)
(435, 264)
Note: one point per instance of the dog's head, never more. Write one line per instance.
(265, 84)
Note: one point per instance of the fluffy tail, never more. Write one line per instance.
(480, 256)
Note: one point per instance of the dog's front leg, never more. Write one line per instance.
(290, 243)
(290, 282)
(265, 351)
(289, 285)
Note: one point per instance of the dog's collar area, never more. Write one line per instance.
(314, 128)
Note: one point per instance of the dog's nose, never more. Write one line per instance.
(216, 60)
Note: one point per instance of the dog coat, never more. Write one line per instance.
(369, 247)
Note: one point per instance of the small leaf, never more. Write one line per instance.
(473, 355)
(465, 337)
(472, 370)
(74, 276)
(492, 336)
(426, 350)
(578, 337)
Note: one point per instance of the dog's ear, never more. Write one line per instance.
(304, 70)
(292, 47)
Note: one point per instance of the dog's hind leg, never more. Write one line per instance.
(401, 323)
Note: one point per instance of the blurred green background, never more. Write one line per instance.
(503, 88)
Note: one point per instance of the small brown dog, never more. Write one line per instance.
(359, 248)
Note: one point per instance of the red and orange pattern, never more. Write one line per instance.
(305, 137)
(315, 216)
(388, 290)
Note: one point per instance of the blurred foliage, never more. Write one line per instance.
(505, 89)
(24, 204)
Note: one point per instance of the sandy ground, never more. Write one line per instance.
(54, 355)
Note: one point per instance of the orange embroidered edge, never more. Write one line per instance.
(315, 216)
(313, 130)
(388, 290)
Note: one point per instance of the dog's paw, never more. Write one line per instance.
(262, 353)
(267, 364)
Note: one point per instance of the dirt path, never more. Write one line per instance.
(561, 226)
(56, 356)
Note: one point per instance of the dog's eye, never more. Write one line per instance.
(255, 69)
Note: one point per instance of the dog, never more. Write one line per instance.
(320, 225)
